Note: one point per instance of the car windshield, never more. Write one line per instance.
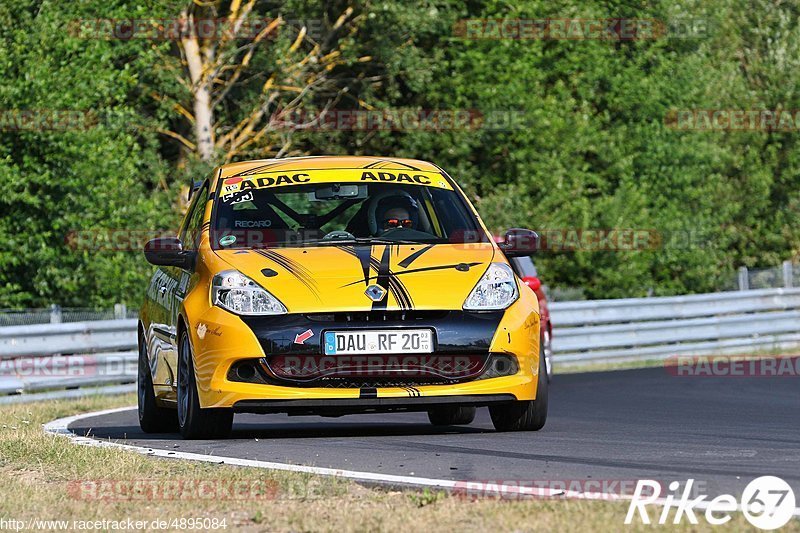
(257, 212)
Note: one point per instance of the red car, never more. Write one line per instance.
(526, 270)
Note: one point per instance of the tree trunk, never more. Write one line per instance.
(198, 62)
(204, 122)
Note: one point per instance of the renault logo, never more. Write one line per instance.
(376, 293)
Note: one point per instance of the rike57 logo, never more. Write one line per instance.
(767, 502)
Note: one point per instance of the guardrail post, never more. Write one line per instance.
(120, 311)
(787, 274)
(744, 281)
(55, 314)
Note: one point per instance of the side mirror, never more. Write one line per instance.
(519, 242)
(194, 186)
(168, 251)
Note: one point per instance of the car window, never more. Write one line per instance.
(316, 214)
(190, 234)
(524, 266)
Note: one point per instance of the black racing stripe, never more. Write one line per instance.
(425, 269)
(348, 250)
(293, 267)
(364, 255)
(256, 170)
(392, 284)
(374, 263)
(405, 263)
(384, 162)
(368, 392)
(395, 286)
(383, 277)
(399, 294)
(406, 165)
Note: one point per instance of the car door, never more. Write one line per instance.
(179, 278)
(165, 295)
(160, 343)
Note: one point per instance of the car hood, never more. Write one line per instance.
(336, 278)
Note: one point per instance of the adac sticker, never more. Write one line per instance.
(234, 188)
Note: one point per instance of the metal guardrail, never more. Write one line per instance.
(35, 374)
(656, 328)
(68, 359)
(68, 338)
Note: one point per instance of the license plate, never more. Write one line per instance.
(379, 342)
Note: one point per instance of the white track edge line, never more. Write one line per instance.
(60, 427)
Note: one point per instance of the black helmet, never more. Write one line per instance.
(383, 202)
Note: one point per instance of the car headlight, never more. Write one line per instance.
(239, 294)
(496, 290)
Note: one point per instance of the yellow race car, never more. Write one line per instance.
(336, 285)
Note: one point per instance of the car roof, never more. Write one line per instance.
(321, 162)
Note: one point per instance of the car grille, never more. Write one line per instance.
(259, 371)
(377, 316)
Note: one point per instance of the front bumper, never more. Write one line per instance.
(513, 332)
(343, 406)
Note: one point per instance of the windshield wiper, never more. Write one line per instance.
(362, 240)
(378, 240)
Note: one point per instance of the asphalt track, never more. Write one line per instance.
(606, 426)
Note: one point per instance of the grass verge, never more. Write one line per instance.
(45, 477)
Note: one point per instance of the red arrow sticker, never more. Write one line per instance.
(301, 338)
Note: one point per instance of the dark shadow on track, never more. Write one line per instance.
(290, 430)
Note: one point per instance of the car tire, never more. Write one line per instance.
(527, 415)
(195, 422)
(451, 415)
(152, 417)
